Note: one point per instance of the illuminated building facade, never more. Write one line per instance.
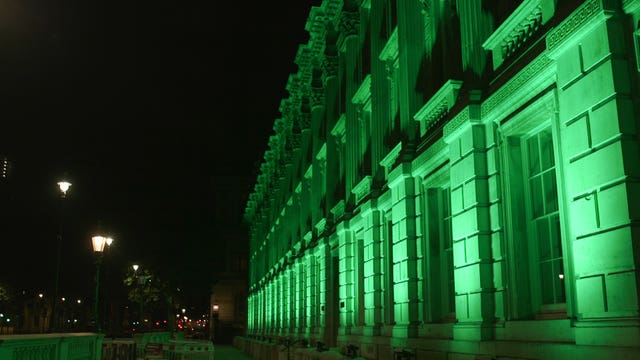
(455, 180)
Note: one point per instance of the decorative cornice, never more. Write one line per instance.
(516, 84)
(320, 226)
(573, 23)
(316, 23)
(438, 106)
(338, 130)
(363, 93)
(517, 28)
(630, 6)
(308, 174)
(430, 158)
(390, 50)
(338, 209)
(322, 153)
(388, 161)
(362, 189)
(457, 121)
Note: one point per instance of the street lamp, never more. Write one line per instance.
(99, 242)
(140, 283)
(64, 187)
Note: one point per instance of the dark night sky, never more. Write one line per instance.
(158, 111)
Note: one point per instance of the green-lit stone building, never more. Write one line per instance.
(455, 179)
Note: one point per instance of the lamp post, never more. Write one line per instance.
(140, 283)
(99, 242)
(64, 187)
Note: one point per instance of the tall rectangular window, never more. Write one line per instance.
(449, 298)
(542, 211)
(533, 220)
(388, 267)
(439, 249)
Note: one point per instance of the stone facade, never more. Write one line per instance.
(453, 179)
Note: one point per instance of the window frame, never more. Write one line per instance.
(524, 292)
(434, 266)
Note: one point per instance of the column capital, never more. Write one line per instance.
(348, 26)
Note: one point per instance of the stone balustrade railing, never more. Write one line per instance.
(57, 346)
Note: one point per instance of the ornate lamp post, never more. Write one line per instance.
(99, 242)
(64, 187)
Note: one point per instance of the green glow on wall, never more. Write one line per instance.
(494, 201)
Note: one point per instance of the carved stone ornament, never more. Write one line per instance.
(317, 96)
(349, 23)
(305, 120)
(329, 66)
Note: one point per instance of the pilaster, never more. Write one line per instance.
(322, 254)
(471, 228)
(598, 125)
(406, 287)
(373, 269)
(345, 277)
(311, 292)
(349, 46)
(300, 298)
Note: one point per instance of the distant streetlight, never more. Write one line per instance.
(64, 186)
(139, 283)
(99, 244)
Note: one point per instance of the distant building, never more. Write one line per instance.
(228, 308)
(454, 179)
(228, 312)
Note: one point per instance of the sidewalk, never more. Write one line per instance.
(228, 352)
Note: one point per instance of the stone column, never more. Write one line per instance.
(310, 294)
(373, 269)
(286, 305)
(268, 308)
(598, 123)
(348, 44)
(300, 297)
(321, 261)
(471, 227)
(345, 277)
(406, 286)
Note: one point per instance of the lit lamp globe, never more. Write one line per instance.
(135, 267)
(98, 242)
(64, 187)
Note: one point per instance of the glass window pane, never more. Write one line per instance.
(446, 202)
(446, 233)
(533, 155)
(546, 149)
(559, 280)
(546, 282)
(556, 238)
(550, 192)
(542, 230)
(451, 298)
(535, 185)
